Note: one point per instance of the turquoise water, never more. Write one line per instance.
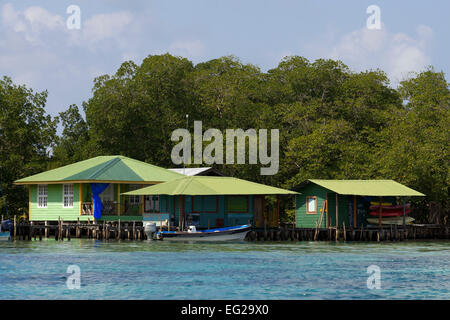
(163, 270)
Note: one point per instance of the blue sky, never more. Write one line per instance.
(37, 49)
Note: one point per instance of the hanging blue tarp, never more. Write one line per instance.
(98, 188)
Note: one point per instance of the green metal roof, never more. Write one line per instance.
(382, 188)
(104, 168)
(204, 185)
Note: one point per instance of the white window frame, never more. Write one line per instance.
(42, 194)
(67, 195)
(134, 200)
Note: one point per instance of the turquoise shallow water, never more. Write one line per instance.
(162, 270)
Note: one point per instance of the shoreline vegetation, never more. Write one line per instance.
(333, 123)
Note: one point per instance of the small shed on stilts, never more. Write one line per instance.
(352, 203)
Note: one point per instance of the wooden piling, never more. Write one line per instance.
(15, 227)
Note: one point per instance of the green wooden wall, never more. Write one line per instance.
(55, 207)
(304, 220)
(233, 210)
(225, 209)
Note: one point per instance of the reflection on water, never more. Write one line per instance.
(164, 270)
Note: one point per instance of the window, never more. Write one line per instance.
(237, 204)
(68, 195)
(205, 204)
(311, 205)
(42, 196)
(134, 200)
(151, 204)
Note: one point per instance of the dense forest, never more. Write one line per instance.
(334, 123)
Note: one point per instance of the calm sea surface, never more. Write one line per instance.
(163, 270)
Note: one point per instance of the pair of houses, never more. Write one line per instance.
(102, 188)
(108, 188)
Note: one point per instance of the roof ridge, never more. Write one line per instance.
(107, 165)
(149, 164)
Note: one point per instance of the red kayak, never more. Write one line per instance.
(391, 208)
(389, 214)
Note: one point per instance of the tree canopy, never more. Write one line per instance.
(334, 123)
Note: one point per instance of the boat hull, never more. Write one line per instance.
(391, 220)
(5, 236)
(389, 214)
(229, 234)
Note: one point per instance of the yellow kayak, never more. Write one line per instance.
(391, 220)
(374, 203)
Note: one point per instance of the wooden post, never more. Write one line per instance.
(379, 214)
(354, 211)
(179, 212)
(59, 228)
(337, 212)
(184, 211)
(118, 231)
(345, 235)
(337, 218)
(46, 229)
(278, 211)
(15, 227)
(404, 214)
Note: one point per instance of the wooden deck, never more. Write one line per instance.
(134, 230)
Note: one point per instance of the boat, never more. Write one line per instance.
(374, 203)
(4, 235)
(236, 233)
(390, 208)
(391, 220)
(389, 214)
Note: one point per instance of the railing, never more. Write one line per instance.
(87, 208)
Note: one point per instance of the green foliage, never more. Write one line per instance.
(26, 135)
(334, 123)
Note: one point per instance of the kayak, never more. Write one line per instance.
(391, 220)
(390, 208)
(389, 214)
(236, 233)
(5, 235)
(374, 203)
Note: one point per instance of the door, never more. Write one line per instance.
(107, 197)
(258, 215)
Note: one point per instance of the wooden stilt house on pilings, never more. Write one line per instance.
(339, 203)
(68, 192)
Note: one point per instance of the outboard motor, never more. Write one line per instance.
(150, 229)
(192, 229)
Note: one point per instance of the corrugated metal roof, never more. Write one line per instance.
(203, 185)
(104, 168)
(382, 188)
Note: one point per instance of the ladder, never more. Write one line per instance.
(319, 223)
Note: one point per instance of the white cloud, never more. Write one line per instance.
(395, 53)
(32, 23)
(106, 26)
(187, 48)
